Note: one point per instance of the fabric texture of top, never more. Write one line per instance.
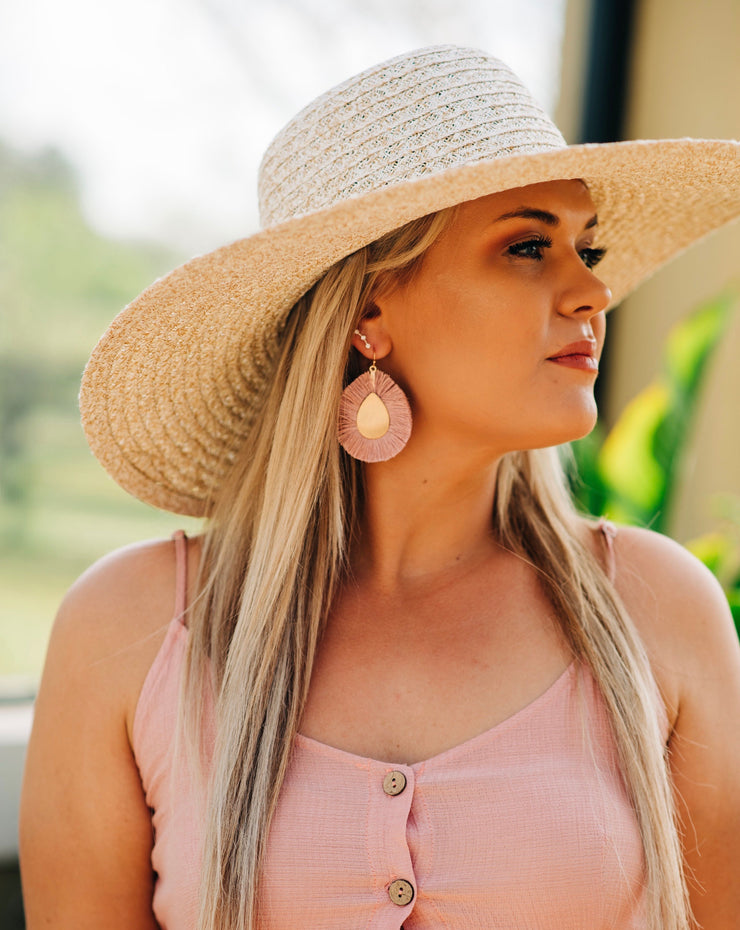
(527, 825)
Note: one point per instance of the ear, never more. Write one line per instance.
(372, 326)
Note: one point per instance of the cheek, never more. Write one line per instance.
(460, 337)
(477, 368)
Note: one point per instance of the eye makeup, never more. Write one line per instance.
(534, 246)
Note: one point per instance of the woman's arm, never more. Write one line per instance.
(86, 833)
(683, 616)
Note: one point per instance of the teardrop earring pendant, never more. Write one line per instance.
(374, 417)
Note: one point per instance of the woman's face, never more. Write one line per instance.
(496, 339)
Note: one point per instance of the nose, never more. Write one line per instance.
(583, 292)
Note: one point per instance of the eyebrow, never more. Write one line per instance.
(544, 216)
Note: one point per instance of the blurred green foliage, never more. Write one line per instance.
(60, 282)
(60, 285)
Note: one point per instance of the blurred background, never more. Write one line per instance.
(130, 137)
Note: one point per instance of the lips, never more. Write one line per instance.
(581, 355)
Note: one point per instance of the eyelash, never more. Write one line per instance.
(590, 256)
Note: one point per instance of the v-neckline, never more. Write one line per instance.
(343, 755)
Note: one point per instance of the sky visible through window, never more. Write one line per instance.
(164, 107)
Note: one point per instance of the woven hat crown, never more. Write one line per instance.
(413, 116)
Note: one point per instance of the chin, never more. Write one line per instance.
(569, 428)
(584, 430)
(581, 419)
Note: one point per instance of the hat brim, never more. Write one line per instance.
(170, 391)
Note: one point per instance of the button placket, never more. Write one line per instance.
(392, 791)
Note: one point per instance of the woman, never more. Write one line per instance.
(416, 688)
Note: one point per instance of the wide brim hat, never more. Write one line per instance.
(172, 389)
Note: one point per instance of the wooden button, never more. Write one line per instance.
(394, 783)
(401, 892)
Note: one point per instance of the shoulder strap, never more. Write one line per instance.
(609, 532)
(181, 575)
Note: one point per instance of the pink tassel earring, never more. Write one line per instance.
(374, 415)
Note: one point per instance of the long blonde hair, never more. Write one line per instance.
(275, 551)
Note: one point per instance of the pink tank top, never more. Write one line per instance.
(525, 827)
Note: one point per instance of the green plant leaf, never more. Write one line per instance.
(690, 344)
(627, 462)
(640, 459)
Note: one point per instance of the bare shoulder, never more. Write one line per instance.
(685, 621)
(114, 618)
(82, 785)
(680, 612)
(671, 595)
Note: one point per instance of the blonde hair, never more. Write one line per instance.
(275, 552)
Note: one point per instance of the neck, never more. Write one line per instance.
(427, 512)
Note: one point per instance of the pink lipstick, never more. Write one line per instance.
(580, 355)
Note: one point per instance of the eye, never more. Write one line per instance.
(530, 248)
(591, 257)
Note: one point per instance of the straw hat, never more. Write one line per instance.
(173, 386)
